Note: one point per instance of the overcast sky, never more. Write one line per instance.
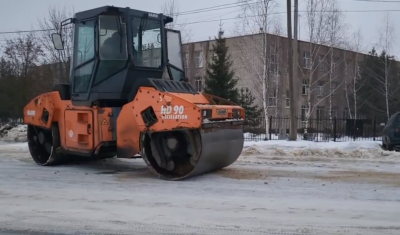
(23, 14)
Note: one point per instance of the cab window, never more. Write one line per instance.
(112, 47)
(84, 52)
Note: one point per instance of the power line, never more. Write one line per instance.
(215, 8)
(223, 5)
(201, 10)
(224, 19)
(274, 13)
(218, 14)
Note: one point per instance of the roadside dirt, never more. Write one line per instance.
(258, 174)
(371, 177)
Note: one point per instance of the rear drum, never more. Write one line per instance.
(44, 144)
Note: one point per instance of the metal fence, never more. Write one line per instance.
(320, 130)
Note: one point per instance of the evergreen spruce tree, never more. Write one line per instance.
(219, 80)
(253, 112)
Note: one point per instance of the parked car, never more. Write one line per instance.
(391, 133)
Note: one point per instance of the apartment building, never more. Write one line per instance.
(323, 73)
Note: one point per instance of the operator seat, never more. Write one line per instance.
(110, 50)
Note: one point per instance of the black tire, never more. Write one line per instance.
(38, 151)
(383, 146)
(386, 145)
(390, 147)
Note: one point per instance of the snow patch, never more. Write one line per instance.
(13, 133)
(331, 150)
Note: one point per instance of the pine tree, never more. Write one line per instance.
(252, 111)
(219, 80)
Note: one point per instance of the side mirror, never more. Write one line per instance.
(57, 41)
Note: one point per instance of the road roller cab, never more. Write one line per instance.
(116, 51)
(119, 101)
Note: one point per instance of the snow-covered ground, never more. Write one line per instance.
(275, 187)
(13, 133)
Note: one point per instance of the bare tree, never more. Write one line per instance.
(380, 75)
(254, 51)
(189, 63)
(51, 24)
(386, 41)
(352, 73)
(336, 39)
(378, 85)
(275, 64)
(23, 52)
(22, 55)
(320, 64)
(171, 9)
(7, 91)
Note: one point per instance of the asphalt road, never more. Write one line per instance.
(122, 197)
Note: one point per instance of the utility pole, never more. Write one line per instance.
(293, 120)
(293, 103)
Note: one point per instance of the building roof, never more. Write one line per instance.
(283, 37)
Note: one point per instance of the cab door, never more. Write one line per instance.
(176, 69)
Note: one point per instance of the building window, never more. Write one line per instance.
(287, 99)
(305, 87)
(185, 57)
(272, 99)
(199, 59)
(320, 88)
(272, 102)
(274, 77)
(304, 110)
(321, 62)
(347, 67)
(199, 84)
(273, 59)
(306, 60)
(320, 112)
